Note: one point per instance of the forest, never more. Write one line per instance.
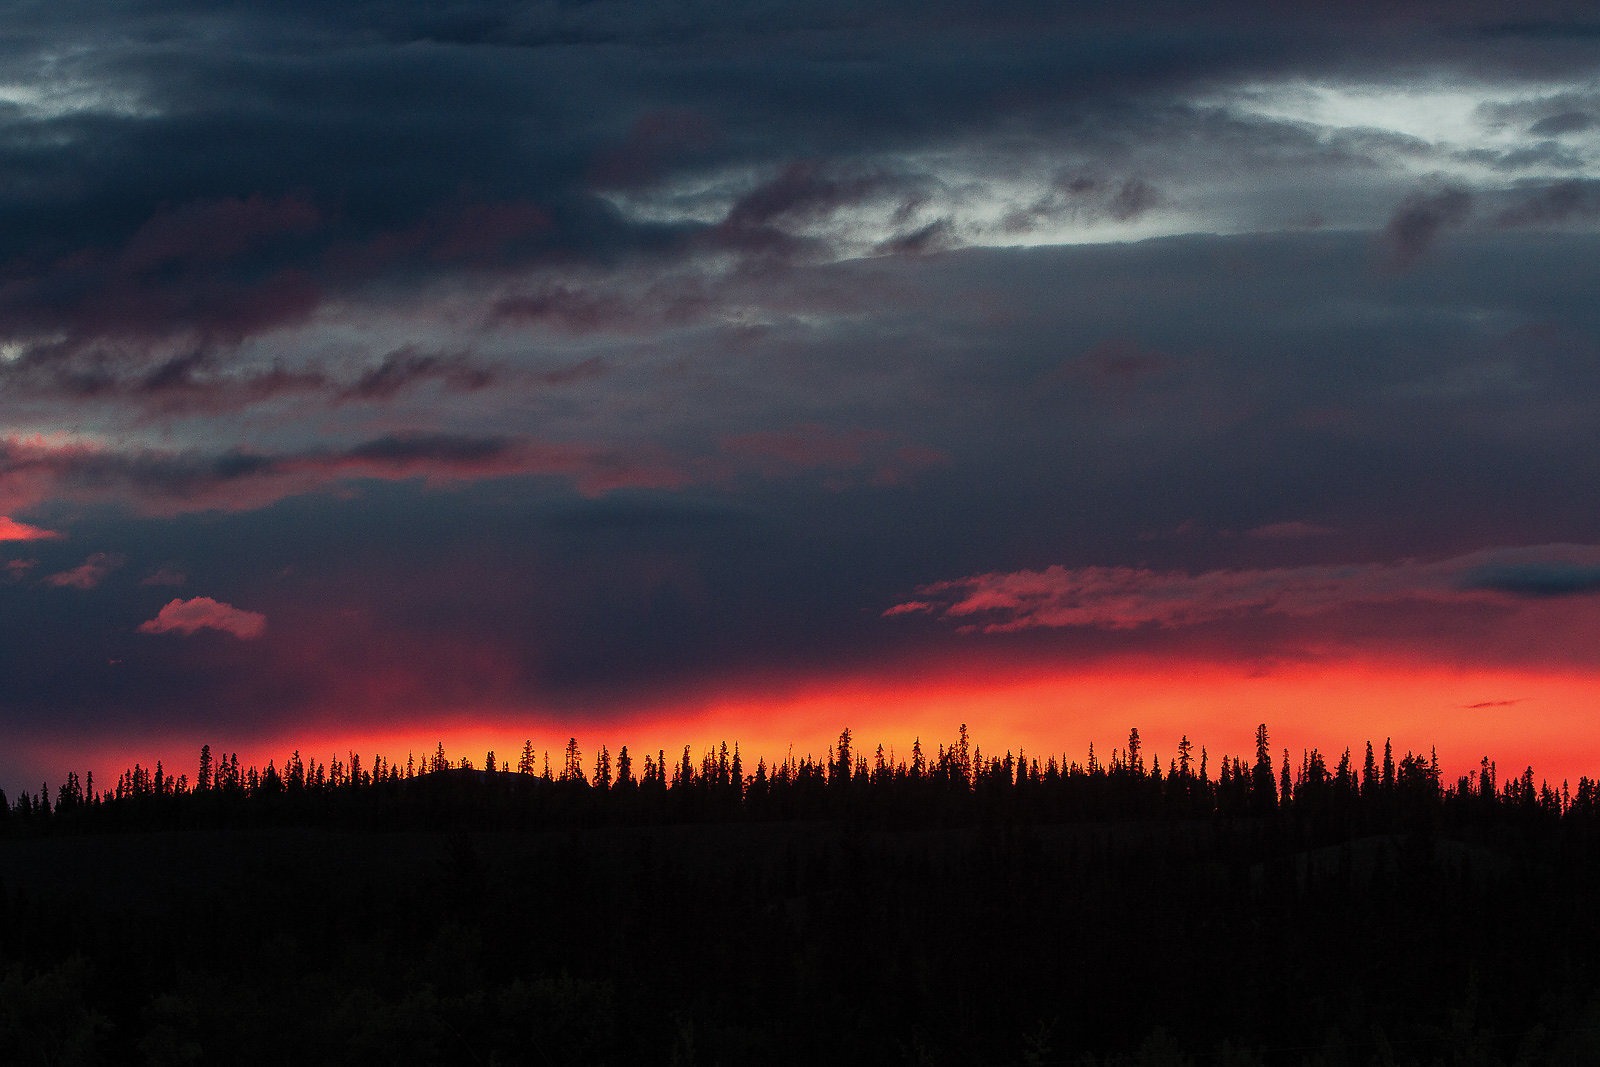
(950, 906)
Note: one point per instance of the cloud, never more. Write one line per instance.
(1116, 363)
(163, 482)
(1125, 598)
(88, 574)
(204, 613)
(1558, 203)
(214, 231)
(1535, 578)
(1132, 199)
(1293, 530)
(11, 530)
(406, 367)
(164, 576)
(924, 240)
(1564, 123)
(1416, 224)
(777, 453)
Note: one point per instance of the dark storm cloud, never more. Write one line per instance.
(1556, 203)
(1417, 223)
(247, 168)
(1552, 579)
(1564, 123)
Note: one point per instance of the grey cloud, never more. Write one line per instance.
(1553, 204)
(1418, 221)
(1564, 123)
(1534, 579)
(406, 367)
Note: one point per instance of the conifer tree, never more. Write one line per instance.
(1263, 789)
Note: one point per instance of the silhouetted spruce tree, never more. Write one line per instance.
(1263, 789)
(842, 763)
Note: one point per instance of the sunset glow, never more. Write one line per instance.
(1515, 718)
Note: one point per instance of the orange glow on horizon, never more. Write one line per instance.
(1517, 718)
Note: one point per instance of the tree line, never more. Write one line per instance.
(954, 781)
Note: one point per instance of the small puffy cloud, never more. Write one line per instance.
(12, 530)
(88, 574)
(204, 613)
(165, 576)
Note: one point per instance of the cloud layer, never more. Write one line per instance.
(1124, 598)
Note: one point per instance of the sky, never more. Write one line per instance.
(387, 373)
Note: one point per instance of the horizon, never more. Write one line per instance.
(1542, 751)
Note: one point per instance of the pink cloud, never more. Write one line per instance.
(1124, 598)
(204, 613)
(88, 574)
(11, 530)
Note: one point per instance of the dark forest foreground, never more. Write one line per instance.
(464, 916)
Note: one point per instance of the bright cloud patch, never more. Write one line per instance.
(204, 613)
(12, 530)
(88, 574)
(1123, 598)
